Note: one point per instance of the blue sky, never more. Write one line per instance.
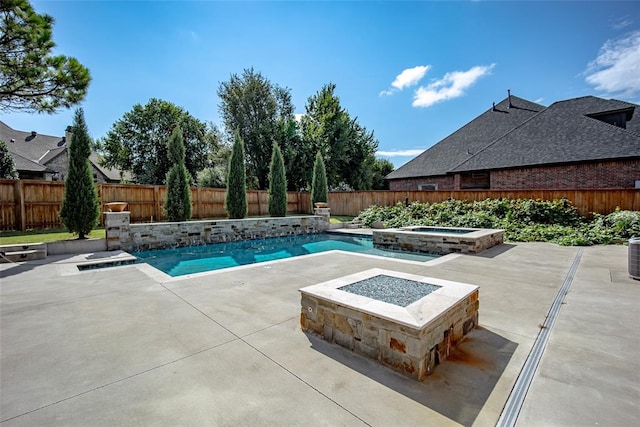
(413, 72)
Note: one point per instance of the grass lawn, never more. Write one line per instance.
(340, 218)
(37, 236)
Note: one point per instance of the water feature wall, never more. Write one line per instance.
(121, 234)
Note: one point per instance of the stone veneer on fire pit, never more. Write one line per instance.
(410, 339)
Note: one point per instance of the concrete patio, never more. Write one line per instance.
(118, 346)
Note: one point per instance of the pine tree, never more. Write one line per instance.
(319, 181)
(7, 166)
(236, 198)
(277, 184)
(80, 207)
(32, 77)
(177, 205)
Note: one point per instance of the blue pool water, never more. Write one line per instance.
(197, 259)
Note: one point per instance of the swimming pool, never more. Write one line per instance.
(197, 259)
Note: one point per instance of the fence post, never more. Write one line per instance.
(18, 197)
(102, 202)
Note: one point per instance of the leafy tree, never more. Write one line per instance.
(137, 141)
(215, 173)
(178, 204)
(381, 168)
(80, 207)
(7, 166)
(213, 177)
(256, 108)
(31, 79)
(277, 184)
(297, 155)
(347, 147)
(236, 197)
(319, 183)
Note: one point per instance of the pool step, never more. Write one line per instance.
(107, 262)
(25, 252)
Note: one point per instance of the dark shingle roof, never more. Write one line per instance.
(24, 164)
(562, 133)
(51, 154)
(456, 148)
(530, 135)
(111, 174)
(33, 153)
(28, 146)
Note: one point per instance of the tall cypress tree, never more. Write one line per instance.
(277, 184)
(319, 181)
(177, 206)
(80, 207)
(236, 198)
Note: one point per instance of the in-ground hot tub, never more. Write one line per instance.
(405, 321)
(438, 240)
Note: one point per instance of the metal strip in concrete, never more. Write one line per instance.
(511, 410)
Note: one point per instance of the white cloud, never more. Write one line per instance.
(399, 153)
(620, 23)
(452, 85)
(410, 76)
(407, 78)
(298, 117)
(616, 70)
(539, 100)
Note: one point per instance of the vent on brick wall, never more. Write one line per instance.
(428, 187)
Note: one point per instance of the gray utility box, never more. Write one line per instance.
(634, 258)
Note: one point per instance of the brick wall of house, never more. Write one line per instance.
(444, 183)
(596, 175)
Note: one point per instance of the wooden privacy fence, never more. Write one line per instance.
(28, 204)
(587, 201)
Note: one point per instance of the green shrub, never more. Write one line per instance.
(616, 227)
(523, 220)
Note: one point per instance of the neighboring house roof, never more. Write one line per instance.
(33, 152)
(24, 164)
(31, 146)
(456, 148)
(111, 174)
(567, 131)
(562, 133)
(51, 154)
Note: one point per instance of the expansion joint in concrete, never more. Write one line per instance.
(510, 412)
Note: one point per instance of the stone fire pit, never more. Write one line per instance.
(405, 321)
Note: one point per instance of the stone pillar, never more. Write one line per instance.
(324, 213)
(117, 228)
